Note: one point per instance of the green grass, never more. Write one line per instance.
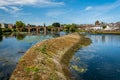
(31, 69)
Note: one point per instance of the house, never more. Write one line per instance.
(108, 28)
(4, 25)
(85, 27)
(111, 28)
(10, 26)
(97, 28)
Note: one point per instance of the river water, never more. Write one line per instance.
(98, 61)
(13, 46)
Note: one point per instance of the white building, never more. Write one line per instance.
(97, 28)
(108, 28)
(3, 25)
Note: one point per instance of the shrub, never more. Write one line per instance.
(6, 30)
(0, 31)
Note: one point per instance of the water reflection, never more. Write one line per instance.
(101, 59)
(20, 36)
(1, 38)
(13, 46)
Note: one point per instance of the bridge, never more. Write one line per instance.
(44, 29)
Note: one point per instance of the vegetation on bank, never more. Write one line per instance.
(104, 32)
(70, 28)
(21, 27)
(56, 24)
(1, 38)
(49, 59)
(0, 30)
(20, 24)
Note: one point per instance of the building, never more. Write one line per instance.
(108, 28)
(85, 26)
(11, 26)
(4, 25)
(97, 28)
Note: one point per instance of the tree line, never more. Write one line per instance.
(20, 24)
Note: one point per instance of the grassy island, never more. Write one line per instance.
(49, 59)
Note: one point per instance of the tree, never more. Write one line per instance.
(0, 30)
(104, 27)
(73, 28)
(67, 27)
(56, 24)
(20, 24)
(49, 27)
(1, 38)
(70, 27)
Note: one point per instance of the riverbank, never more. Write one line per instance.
(105, 32)
(49, 59)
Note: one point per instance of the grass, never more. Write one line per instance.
(31, 69)
(45, 60)
(79, 69)
(43, 48)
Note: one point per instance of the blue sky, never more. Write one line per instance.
(39, 12)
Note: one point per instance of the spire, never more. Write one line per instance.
(44, 25)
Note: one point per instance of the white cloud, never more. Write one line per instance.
(88, 8)
(29, 2)
(10, 9)
(15, 9)
(100, 12)
(105, 7)
(4, 8)
(11, 4)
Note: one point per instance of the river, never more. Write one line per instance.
(98, 61)
(13, 46)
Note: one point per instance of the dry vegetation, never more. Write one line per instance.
(49, 59)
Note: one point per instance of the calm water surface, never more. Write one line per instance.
(99, 61)
(12, 47)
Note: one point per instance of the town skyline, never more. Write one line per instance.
(48, 11)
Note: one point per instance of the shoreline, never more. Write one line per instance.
(49, 59)
(105, 32)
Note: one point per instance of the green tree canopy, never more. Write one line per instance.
(73, 28)
(56, 24)
(0, 30)
(50, 26)
(104, 27)
(1, 38)
(20, 24)
(70, 27)
(67, 27)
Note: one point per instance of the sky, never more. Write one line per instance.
(38, 12)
